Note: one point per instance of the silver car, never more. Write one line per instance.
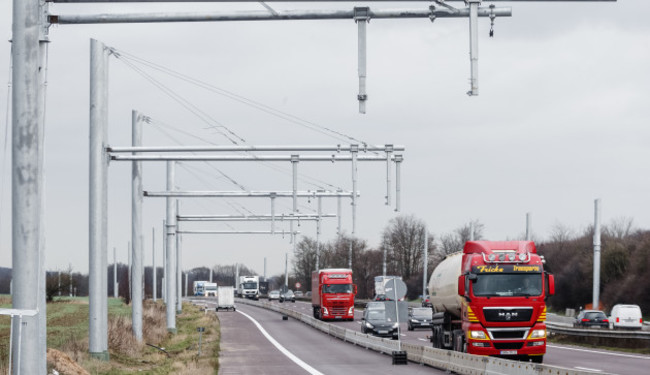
(274, 294)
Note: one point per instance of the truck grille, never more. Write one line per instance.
(500, 314)
(339, 310)
(501, 335)
(508, 345)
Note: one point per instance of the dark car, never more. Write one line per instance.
(591, 319)
(378, 322)
(382, 297)
(419, 317)
(426, 302)
(288, 296)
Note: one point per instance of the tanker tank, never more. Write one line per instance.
(443, 285)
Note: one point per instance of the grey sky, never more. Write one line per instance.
(561, 120)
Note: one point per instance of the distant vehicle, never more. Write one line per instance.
(210, 289)
(288, 296)
(226, 298)
(626, 316)
(249, 287)
(380, 288)
(274, 294)
(308, 294)
(205, 289)
(591, 319)
(378, 322)
(426, 301)
(298, 294)
(263, 288)
(419, 317)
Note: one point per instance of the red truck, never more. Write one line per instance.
(332, 294)
(490, 299)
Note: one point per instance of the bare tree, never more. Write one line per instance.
(304, 260)
(403, 241)
(620, 227)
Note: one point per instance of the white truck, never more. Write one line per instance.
(249, 287)
(205, 289)
(226, 298)
(380, 287)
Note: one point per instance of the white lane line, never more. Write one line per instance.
(588, 369)
(421, 339)
(599, 352)
(281, 348)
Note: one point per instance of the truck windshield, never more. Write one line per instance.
(337, 288)
(508, 285)
(249, 285)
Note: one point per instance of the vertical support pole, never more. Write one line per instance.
(354, 150)
(338, 212)
(211, 273)
(294, 166)
(187, 274)
(529, 225)
(473, 45)
(596, 291)
(179, 273)
(163, 284)
(383, 265)
(153, 263)
(361, 17)
(398, 182)
(136, 229)
(471, 231)
(273, 213)
(170, 279)
(98, 308)
(264, 268)
(389, 172)
(318, 229)
(115, 273)
(129, 252)
(425, 256)
(350, 254)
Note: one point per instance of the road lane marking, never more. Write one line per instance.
(599, 352)
(281, 348)
(587, 369)
(421, 339)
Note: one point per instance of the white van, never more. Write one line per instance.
(626, 316)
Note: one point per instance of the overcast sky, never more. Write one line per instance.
(561, 119)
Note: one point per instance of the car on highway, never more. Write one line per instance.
(274, 294)
(591, 319)
(419, 317)
(626, 317)
(377, 321)
(298, 294)
(426, 302)
(288, 296)
(382, 297)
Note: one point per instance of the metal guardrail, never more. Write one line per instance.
(460, 363)
(591, 332)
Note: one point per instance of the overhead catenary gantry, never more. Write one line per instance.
(31, 21)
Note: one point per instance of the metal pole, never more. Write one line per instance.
(114, 272)
(179, 272)
(426, 263)
(383, 267)
(286, 271)
(264, 268)
(129, 253)
(596, 291)
(170, 280)
(153, 262)
(338, 213)
(318, 228)
(98, 308)
(354, 150)
(471, 231)
(398, 182)
(211, 272)
(163, 284)
(350, 257)
(473, 45)
(389, 163)
(273, 213)
(361, 18)
(241, 148)
(529, 224)
(136, 230)
(294, 167)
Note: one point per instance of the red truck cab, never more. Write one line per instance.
(504, 288)
(332, 294)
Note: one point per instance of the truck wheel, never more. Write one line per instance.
(458, 340)
(410, 328)
(536, 358)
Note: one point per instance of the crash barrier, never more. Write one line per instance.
(457, 362)
(604, 333)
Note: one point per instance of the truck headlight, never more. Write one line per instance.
(351, 311)
(537, 334)
(477, 335)
(325, 311)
